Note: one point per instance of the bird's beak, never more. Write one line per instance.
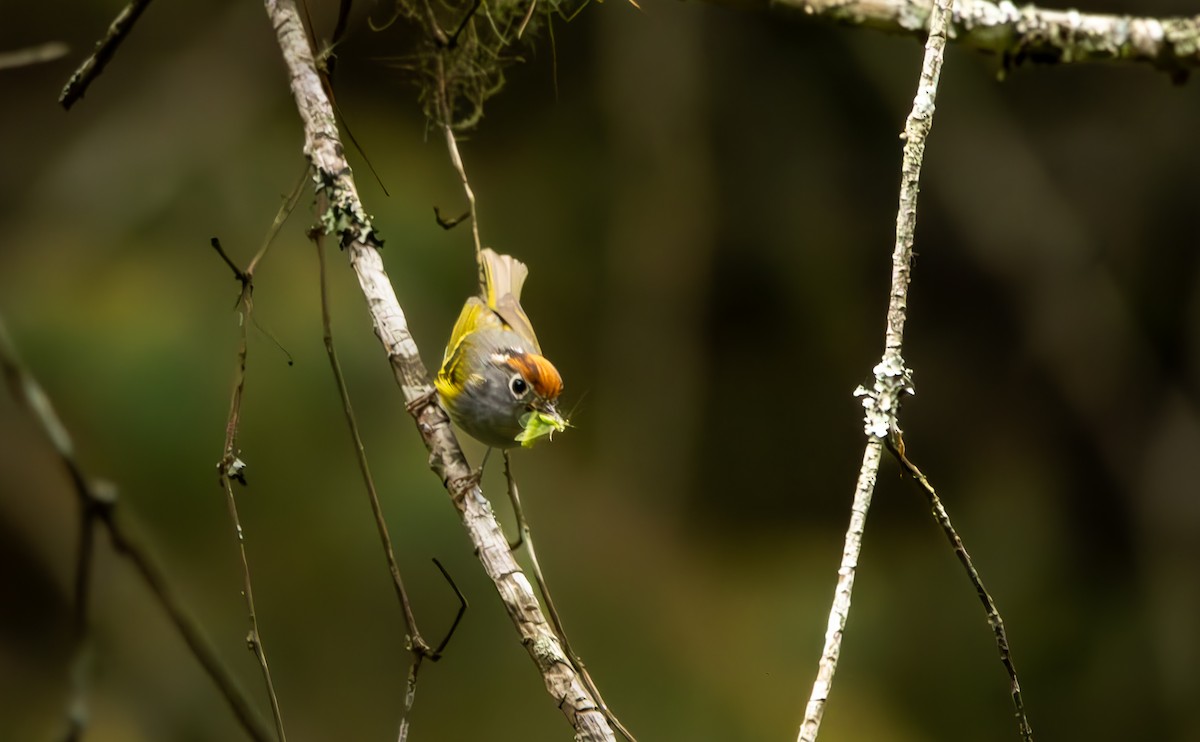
(543, 420)
(550, 410)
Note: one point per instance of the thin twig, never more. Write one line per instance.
(128, 545)
(447, 109)
(253, 637)
(325, 66)
(462, 609)
(892, 378)
(347, 218)
(91, 68)
(281, 216)
(102, 501)
(525, 20)
(231, 467)
(47, 52)
(895, 444)
(77, 715)
(416, 645)
(449, 223)
(526, 538)
(452, 42)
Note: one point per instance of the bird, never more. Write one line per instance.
(494, 381)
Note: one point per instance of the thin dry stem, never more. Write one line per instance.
(48, 52)
(253, 637)
(892, 378)
(417, 645)
(895, 444)
(231, 467)
(100, 500)
(526, 538)
(457, 162)
(77, 715)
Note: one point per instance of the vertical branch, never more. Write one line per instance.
(77, 714)
(253, 637)
(231, 467)
(892, 378)
(447, 111)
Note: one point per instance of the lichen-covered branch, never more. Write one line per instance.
(347, 220)
(1018, 34)
(892, 378)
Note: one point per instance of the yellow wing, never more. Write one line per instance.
(474, 315)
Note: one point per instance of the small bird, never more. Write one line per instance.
(494, 380)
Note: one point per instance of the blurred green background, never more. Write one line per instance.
(706, 199)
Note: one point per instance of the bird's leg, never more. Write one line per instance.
(522, 526)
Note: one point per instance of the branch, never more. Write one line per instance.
(895, 445)
(1020, 34)
(100, 502)
(892, 378)
(231, 467)
(47, 52)
(526, 538)
(417, 645)
(347, 219)
(91, 68)
(456, 160)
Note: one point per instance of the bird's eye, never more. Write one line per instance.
(518, 386)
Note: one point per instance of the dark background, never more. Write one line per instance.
(707, 203)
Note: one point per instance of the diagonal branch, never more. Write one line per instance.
(1020, 34)
(526, 538)
(895, 445)
(105, 49)
(100, 502)
(31, 55)
(892, 378)
(346, 218)
(417, 646)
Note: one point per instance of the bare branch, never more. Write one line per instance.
(346, 218)
(231, 467)
(417, 645)
(526, 538)
(1020, 34)
(445, 108)
(101, 502)
(91, 68)
(39, 54)
(895, 444)
(892, 378)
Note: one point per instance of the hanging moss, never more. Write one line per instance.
(463, 47)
